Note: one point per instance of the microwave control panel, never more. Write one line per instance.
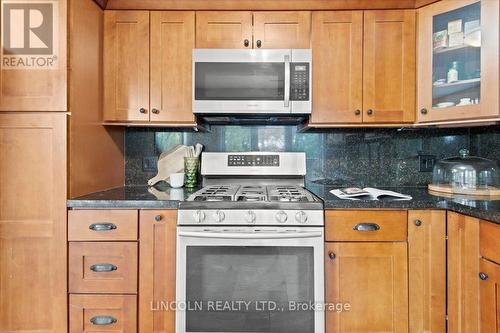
(253, 160)
(299, 81)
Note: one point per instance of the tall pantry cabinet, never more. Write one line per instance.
(50, 144)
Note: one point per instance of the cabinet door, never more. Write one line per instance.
(126, 66)
(490, 297)
(427, 271)
(389, 66)
(463, 267)
(282, 30)
(33, 273)
(33, 71)
(157, 270)
(172, 42)
(224, 30)
(373, 279)
(337, 46)
(458, 69)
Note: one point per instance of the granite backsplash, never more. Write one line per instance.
(339, 157)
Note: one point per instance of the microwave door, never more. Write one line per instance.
(241, 81)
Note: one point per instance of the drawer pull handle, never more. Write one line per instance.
(366, 227)
(103, 268)
(103, 320)
(102, 226)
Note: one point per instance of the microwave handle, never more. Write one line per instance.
(287, 81)
(231, 235)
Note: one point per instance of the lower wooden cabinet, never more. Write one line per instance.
(33, 273)
(490, 296)
(373, 279)
(103, 313)
(427, 271)
(463, 268)
(157, 270)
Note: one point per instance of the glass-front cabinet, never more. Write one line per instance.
(458, 61)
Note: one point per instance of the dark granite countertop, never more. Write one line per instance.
(483, 209)
(165, 197)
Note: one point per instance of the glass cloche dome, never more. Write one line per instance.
(466, 174)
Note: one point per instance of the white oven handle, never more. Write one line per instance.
(233, 235)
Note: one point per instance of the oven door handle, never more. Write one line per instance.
(231, 235)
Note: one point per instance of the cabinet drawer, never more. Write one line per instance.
(90, 225)
(102, 313)
(352, 225)
(102, 267)
(488, 241)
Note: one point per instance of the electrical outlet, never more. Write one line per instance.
(150, 164)
(426, 162)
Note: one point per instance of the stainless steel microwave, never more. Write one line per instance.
(273, 81)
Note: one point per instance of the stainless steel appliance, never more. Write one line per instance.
(252, 241)
(229, 81)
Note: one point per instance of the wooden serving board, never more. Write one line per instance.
(490, 191)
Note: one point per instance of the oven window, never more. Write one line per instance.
(239, 81)
(253, 287)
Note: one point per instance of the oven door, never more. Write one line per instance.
(241, 81)
(249, 279)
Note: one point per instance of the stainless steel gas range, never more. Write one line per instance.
(250, 248)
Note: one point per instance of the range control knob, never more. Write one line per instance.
(301, 217)
(219, 216)
(250, 217)
(199, 216)
(281, 216)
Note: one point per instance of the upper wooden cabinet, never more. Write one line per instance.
(364, 67)
(147, 67)
(33, 274)
(272, 30)
(458, 72)
(337, 43)
(282, 30)
(126, 65)
(389, 66)
(224, 30)
(172, 42)
(33, 76)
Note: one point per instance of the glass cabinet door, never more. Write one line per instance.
(458, 60)
(456, 57)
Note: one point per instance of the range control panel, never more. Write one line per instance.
(253, 160)
(299, 82)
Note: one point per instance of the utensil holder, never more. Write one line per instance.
(191, 169)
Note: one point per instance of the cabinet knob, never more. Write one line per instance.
(158, 218)
(332, 255)
(483, 276)
(155, 111)
(424, 111)
(142, 110)
(259, 43)
(357, 112)
(246, 42)
(418, 223)
(369, 112)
